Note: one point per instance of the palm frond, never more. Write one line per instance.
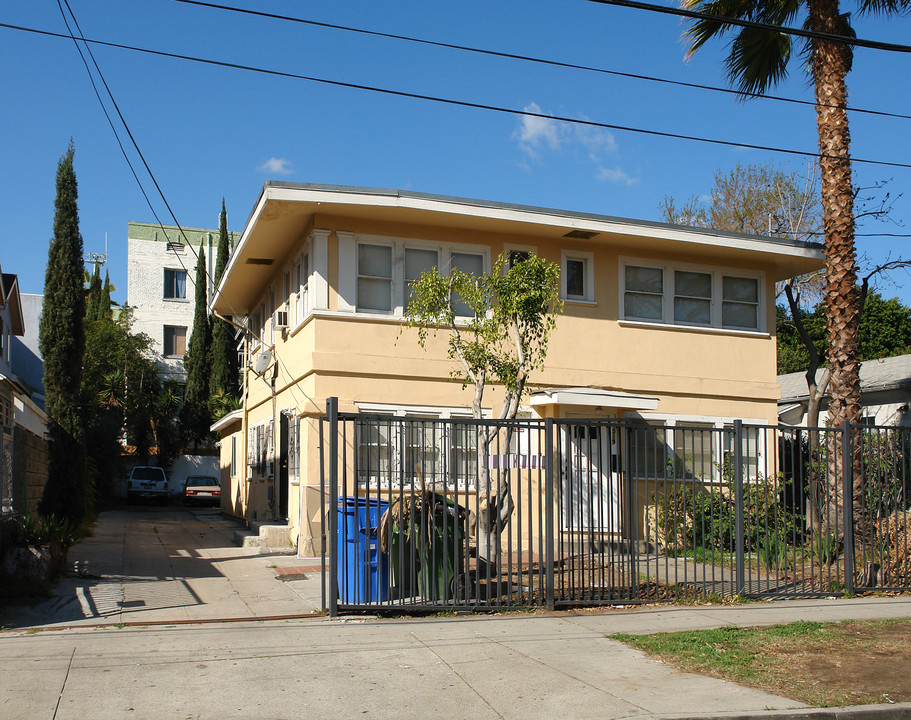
(884, 7)
(758, 60)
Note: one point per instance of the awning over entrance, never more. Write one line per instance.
(593, 397)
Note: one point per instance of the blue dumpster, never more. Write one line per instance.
(363, 569)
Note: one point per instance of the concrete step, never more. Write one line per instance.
(270, 539)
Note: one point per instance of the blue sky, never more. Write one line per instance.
(210, 133)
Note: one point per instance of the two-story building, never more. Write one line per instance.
(662, 323)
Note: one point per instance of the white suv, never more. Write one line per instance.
(147, 483)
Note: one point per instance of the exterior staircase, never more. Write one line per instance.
(270, 539)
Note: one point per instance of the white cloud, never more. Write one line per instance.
(534, 132)
(616, 175)
(276, 166)
(536, 135)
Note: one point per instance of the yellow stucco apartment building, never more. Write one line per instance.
(660, 322)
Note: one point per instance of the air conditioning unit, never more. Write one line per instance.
(280, 320)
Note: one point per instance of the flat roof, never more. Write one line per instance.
(283, 209)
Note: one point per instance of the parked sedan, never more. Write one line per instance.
(202, 490)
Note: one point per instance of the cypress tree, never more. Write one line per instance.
(223, 376)
(195, 416)
(62, 341)
(95, 308)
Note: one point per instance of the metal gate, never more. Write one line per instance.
(437, 514)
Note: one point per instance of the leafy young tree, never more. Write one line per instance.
(195, 417)
(757, 60)
(223, 379)
(498, 325)
(62, 341)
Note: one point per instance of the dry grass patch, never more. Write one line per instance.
(820, 664)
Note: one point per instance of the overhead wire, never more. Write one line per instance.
(528, 58)
(126, 127)
(468, 104)
(799, 32)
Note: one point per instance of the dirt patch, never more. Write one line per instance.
(820, 664)
(846, 664)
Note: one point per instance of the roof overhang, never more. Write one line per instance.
(227, 421)
(286, 210)
(591, 397)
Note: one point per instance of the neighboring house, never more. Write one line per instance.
(23, 424)
(161, 282)
(885, 394)
(663, 324)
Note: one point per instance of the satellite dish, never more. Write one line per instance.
(261, 364)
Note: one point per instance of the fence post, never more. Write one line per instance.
(847, 476)
(740, 569)
(549, 498)
(332, 414)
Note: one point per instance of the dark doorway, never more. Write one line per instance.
(283, 489)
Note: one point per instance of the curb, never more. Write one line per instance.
(896, 711)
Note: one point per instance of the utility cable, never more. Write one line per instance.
(809, 34)
(528, 58)
(471, 105)
(133, 141)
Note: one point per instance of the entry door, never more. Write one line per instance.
(591, 497)
(283, 488)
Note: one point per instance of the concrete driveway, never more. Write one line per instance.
(153, 565)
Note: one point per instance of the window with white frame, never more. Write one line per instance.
(691, 295)
(472, 264)
(417, 262)
(294, 454)
(676, 449)
(416, 445)
(232, 467)
(385, 271)
(374, 277)
(577, 276)
(301, 285)
(259, 449)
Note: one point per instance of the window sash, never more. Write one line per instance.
(576, 269)
(374, 277)
(175, 284)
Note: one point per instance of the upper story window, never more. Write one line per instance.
(689, 296)
(175, 341)
(577, 276)
(175, 284)
(301, 284)
(381, 274)
(417, 262)
(374, 277)
(473, 264)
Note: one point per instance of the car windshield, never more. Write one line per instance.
(202, 481)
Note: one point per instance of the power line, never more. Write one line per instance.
(810, 34)
(468, 104)
(129, 133)
(528, 58)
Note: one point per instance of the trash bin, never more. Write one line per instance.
(363, 569)
(442, 559)
(425, 537)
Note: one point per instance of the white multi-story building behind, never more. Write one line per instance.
(161, 274)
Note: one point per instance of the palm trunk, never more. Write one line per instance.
(830, 64)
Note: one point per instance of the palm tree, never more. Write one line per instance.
(757, 60)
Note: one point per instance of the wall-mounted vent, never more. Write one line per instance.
(176, 247)
(280, 320)
(260, 261)
(580, 234)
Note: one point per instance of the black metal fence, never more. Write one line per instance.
(434, 514)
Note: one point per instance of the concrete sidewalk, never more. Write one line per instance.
(144, 639)
(509, 667)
